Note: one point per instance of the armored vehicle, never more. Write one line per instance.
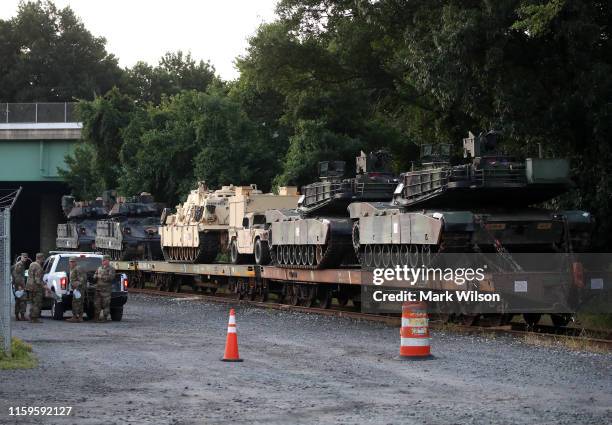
(482, 205)
(248, 231)
(197, 232)
(79, 233)
(130, 231)
(318, 233)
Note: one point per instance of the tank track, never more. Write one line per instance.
(329, 255)
(206, 252)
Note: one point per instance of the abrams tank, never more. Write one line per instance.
(197, 232)
(317, 234)
(482, 205)
(79, 233)
(130, 231)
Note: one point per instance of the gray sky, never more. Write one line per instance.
(215, 30)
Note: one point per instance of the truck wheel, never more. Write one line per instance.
(116, 314)
(57, 310)
(235, 256)
(262, 252)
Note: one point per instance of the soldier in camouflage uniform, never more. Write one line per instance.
(36, 287)
(104, 286)
(19, 284)
(78, 282)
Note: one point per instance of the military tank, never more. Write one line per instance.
(484, 204)
(79, 233)
(210, 222)
(317, 234)
(130, 231)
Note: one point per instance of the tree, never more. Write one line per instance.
(175, 72)
(48, 55)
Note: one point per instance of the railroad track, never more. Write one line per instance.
(600, 340)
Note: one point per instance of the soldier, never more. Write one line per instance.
(78, 281)
(36, 287)
(104, 286)
(19, 284)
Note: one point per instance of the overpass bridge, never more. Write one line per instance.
(34, 140)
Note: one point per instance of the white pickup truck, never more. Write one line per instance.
(58, 297)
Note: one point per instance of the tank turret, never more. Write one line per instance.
(79, 232)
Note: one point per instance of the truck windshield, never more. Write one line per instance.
(87, 264)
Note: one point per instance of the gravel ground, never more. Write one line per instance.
(160, 365)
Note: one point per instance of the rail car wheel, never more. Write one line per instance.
(532, 319)
(262, 294)
(293, 295)
(343, 299)
(325, 297)
(308, 294)
(357, 304)
(560, 320)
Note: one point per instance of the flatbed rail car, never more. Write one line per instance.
(309, 287)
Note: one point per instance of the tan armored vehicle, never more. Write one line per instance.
(248, 232)
(197, 232)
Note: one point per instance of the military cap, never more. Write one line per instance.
(40, 255)
(106, 257)
(72, 259)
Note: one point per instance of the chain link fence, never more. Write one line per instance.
(61, 112)
(7, 200)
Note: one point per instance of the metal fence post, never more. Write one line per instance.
(5, 261)
(6, 291)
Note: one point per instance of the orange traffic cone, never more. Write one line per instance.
(231, 344)
(414, 333)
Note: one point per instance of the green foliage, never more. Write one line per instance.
(48, 55)
(81, 175)
(175, 72)
(21, 356)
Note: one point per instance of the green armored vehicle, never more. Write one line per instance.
(318, 233)
(79, 233)
(130, 231)
(482, 205)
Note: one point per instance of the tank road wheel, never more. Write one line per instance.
(396, 257)
(368, 255)
(311, 255)
(426, 255)
(413, 255)
(386, 255)
(532, 319)
(325, 297)
(298, 254)
(287, 255)
(319, 254)
(262, 252)
(377, 251)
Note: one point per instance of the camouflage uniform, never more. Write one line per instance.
(36, 287)
(78, 281)
(19, 283)
(104, 287)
